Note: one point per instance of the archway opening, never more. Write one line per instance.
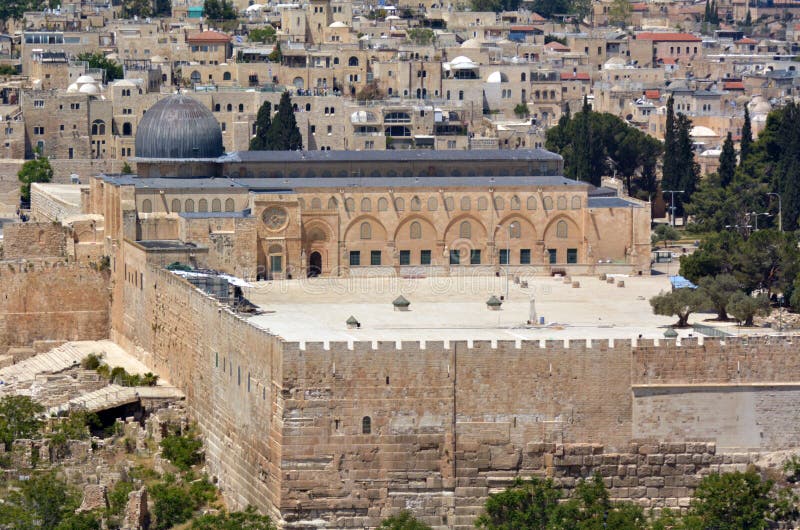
(314, 265)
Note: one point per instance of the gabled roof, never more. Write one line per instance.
(667, 37)
(746, 40)
(556, 46)
(668, 60)
(733, 85)
(575, 76)
(208, 36)
(652, 94)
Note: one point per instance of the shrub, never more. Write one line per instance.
(91, 362)
(172, 504)
(182, 451)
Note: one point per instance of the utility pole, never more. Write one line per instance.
(672, 202)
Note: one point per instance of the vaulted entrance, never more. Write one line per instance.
(314, 265)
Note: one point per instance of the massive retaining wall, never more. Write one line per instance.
(344, 434)
(51, 301)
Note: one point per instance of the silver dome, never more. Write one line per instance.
(178, 127)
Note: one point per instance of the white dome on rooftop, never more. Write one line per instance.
(72, 88)
(338, 24)
(125, 83)
(85, 79)
(471, 43)
(497, 77)
(698, 131)
(89, 89)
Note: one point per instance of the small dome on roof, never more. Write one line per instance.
(72, 88)
(497, 77)
(338, 24)
(471, 43)
(178, 127)
(698, 131)
(125, 83)
(89, 89)
(85, 79)
(762, 107)
(158, 59)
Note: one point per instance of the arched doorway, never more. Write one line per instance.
(314, 265)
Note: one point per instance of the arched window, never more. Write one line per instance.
(531, 203)
(416, 204)
(349, 204)
(515, 230)
(483, 203)
(333, 203)
(226, 76)
(176, 205)
(366, 205)
(548, 203)
(353, 61)
(562, 203)
(522, 76)
(241, 107)
(216, 205)
(335, 60)
(499, 203)
(202, 205)
(189, 205)
(229, 108)
(576, 203)
(316, 204)
(366, 230)
(229, 205)
(98, 127)
(466, 204)
(147, 206)
(561, 230)
(217, 107)
(127, 129)
(415, 230)
(383, 204)
(465, 230)
(399, 204)
(433, 204)
(366, 425)
(195, 77)
(515, 205)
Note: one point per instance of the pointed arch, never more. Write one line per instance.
(427, 229)
(377, 230)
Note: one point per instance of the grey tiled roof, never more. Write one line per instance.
(398, 155)
(612, 202)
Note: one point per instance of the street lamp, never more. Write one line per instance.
(780, 210)
(672, 202)
(508, 252)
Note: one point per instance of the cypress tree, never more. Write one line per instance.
(263, 121)
(688, 170)
(748, 19)
(582, 146)
(727, 162)
(283, 134)
(747, 135)
(669, 179)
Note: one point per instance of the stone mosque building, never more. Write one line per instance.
(280, 215)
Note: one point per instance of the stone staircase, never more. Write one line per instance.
(56, 360)
(105, 398)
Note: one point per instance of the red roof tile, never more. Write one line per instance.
(733, 85)
(668, 60)
(577, 76)
(652, 94)
(209, 36)
(639, 6)
(556, 46)
(746, 40)
(667, 37)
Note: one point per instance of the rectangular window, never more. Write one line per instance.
(375, 257)
(216, 359)
(525, 256)
(455, 257)
(355, 258)
(425, 257)
(38, 103)
(503, 257)
(553, 255)
(572, 255)
(71, 153)
(475, 257)
(276, 263)
(405, 257)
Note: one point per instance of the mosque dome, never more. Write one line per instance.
(71, 89)
(90, 89)
(178, 127)
(85, 79)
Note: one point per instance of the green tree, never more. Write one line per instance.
(41, 502)
(276, 54)
(715, 255)
(18, 419)
(126, 169)
(582, 7)
(590, 508)
(719, 289)
(263, 122)
(619, 14)
(681, 303)
(747, 133)
(265, 35)
(15, 10)
(497, 5)
(182, 451)
(521, 110)
(727, 162)
(370, 92)
(172, 503)
(767, 260)
(548, 8)
(7, 69)
(530, 504)
(246, 520)
(79, 521)
(36, 170)
(403, 521)
(732, 501)
(162, 8)
(219, 10)
(421, 36)
(98, 60)
(748, 20)
(137, 8)
(745, 307)
(283, 133)
(679, 171)
(664, 232)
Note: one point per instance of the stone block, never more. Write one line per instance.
(94, 498)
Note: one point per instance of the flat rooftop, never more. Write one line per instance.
(454, 308)
(69, 194)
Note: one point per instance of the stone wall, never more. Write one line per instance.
(349, 433)
(51, 301)
(34, 240)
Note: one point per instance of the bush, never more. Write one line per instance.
(91, 362)
(182, 451)
(18, 419)
(118, 497)
(247, 519)
(172, 504)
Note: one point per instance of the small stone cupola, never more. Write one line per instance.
(352, 323)
(493, 303)
(400, 303)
